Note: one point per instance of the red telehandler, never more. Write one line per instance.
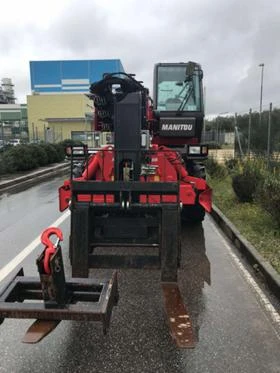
(134, 192)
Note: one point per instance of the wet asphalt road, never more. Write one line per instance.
(234, 331)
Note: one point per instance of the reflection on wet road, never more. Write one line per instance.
(24, 215)
(234, 334)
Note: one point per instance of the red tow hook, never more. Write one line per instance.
(50, 246)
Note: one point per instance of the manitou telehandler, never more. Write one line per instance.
(133, 192)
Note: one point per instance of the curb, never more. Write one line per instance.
(261, 266)
(33, 177)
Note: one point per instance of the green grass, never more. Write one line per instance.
(250, 219)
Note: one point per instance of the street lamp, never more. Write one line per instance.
(262, 68)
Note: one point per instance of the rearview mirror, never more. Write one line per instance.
(190, 68)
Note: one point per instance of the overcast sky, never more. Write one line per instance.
(229, 38)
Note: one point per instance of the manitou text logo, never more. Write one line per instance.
(177, 127)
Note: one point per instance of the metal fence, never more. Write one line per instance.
(9, 131)
(218, 137)
(252, 134)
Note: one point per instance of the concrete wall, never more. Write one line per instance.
(221, 155)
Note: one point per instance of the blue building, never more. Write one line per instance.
(72, 76)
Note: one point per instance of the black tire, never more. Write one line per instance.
(193, 214)
(199, 171)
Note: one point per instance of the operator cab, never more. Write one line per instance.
(178, 102)
(178, 88)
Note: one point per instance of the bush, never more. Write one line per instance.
(19, 158)
(274, 165)
(70, 142)
(214, 169)
(5, 147)
(268, 195)
(214, 145)
(60, 152)
(231, 164)
(246, 178)
(244, 187)
(39, 153)
(51, 153)
(2, 166)
(27, 157)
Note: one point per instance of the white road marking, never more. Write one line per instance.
(261, 296)
(8, 268)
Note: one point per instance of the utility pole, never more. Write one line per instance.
(237, 135)
(33, 133)
(2, 131)
(217, 129)
(249, 132)
(269, 132)
(261, 96)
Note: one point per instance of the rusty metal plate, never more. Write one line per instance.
(39, 329)
(177, 316)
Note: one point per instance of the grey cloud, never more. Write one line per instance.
(229, 38)
(12, 37)
(80, 29)
(264, 50)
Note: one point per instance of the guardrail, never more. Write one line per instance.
(33, 177)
